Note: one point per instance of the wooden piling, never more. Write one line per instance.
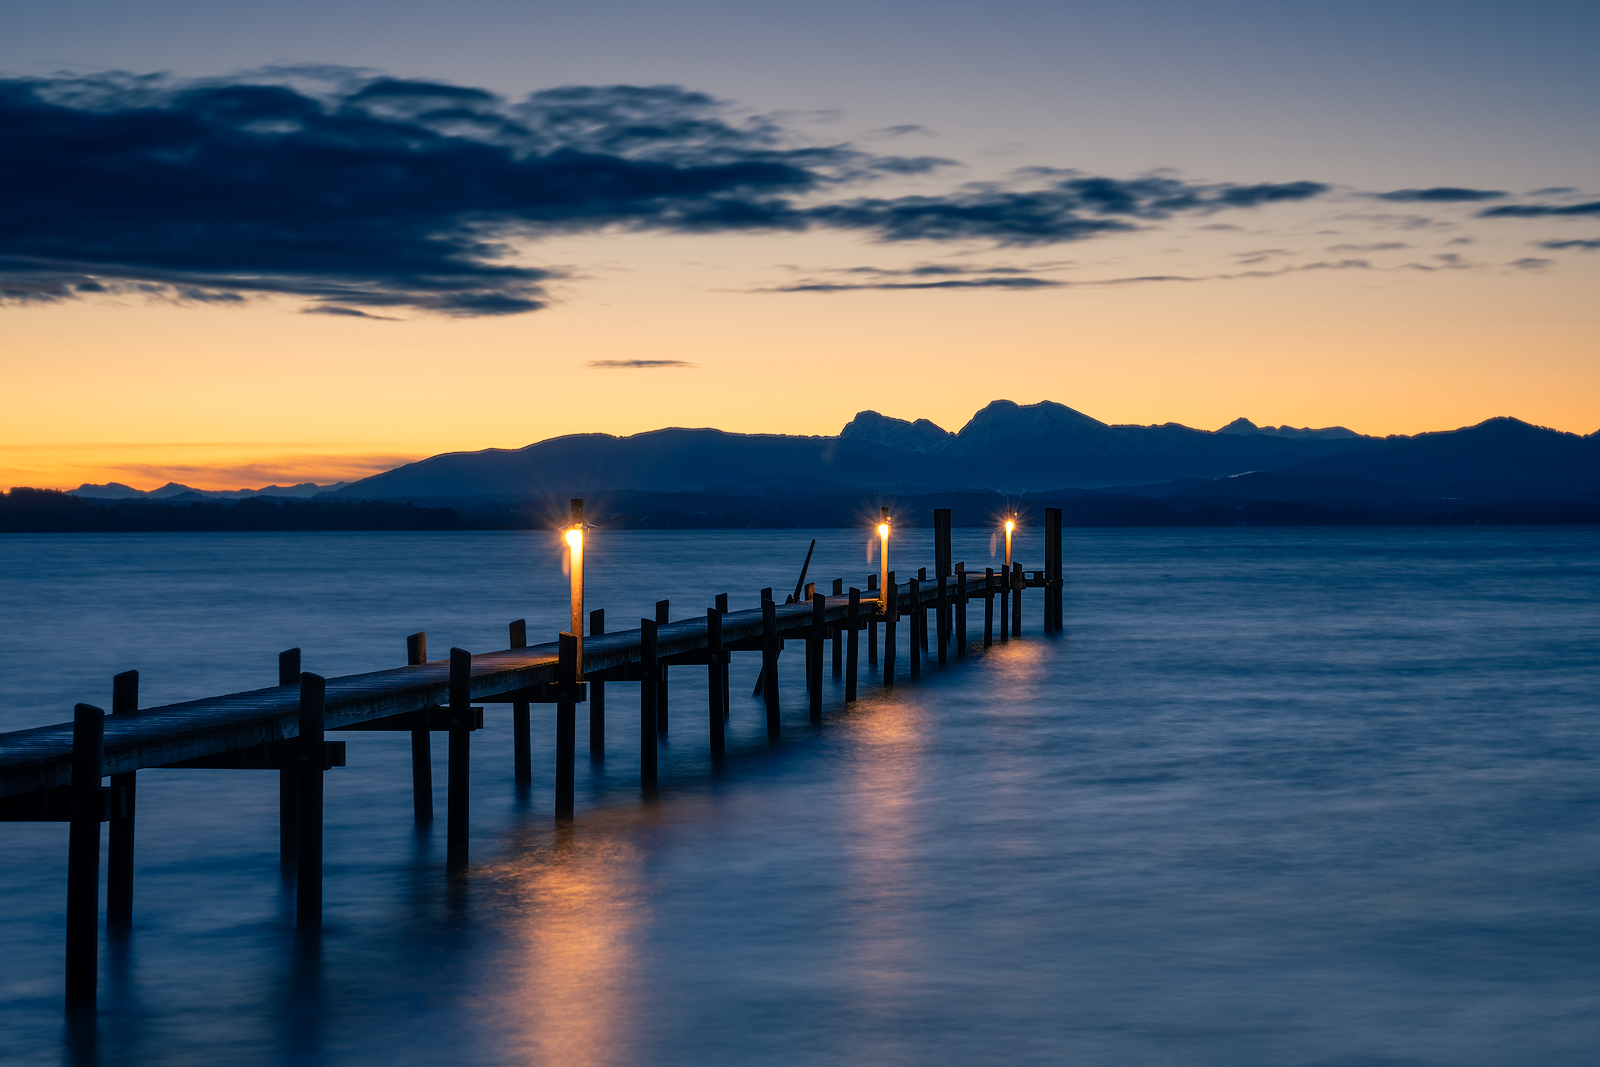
(119, 851)
(722, 609)
(1016, 599)
(647, 704)
(1003, 589)
(288, 794)
(597, 694)
(714, 691)
(1052, 569)
(891, 609)
(872, 624)
(852, 644)
(961, 611)
(83, 856)
(769, 663)
(819, 628)
(662, 617)
(308, 874)
(988, 607)
(838, 634)
(942, 615)
(421, 743)
(521, 729)
(459, 771)
(566, 724)
(919, 613)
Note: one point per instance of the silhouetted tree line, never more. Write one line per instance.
(25, 510)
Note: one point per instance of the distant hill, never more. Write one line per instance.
(1004, 447)
(174, 491)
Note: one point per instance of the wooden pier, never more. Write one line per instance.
(56, 773)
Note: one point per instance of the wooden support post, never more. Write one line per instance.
(83, 856)
(722, 609)
(988, 607)
(421, 743)
(661, 683)
(872, 625)
(1016, 600)
(308, 880)
(119, 852)
(521, 728)
(838, 634)
(771, 646)
(1003, 586)
(891, 608)
(852, 644)
(919, 616)
(288, 794)
(647, 704)
(942, 615)
(1052, 569)
(819, 627)
(597, 695)
(458, 785)
(919, 622)
(961, 611)
(566, 724)
(714, 657)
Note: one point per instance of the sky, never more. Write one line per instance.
(247, 244)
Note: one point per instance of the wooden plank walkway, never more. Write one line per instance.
(41, 758)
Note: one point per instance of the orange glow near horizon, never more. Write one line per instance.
(145, 393)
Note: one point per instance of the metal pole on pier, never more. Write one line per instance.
(714, 690)
(663, 608)
(647, 705)
(421, 743)
(891, 613)
(722, 609)
(770, 646)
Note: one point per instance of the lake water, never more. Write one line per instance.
(1278, 797)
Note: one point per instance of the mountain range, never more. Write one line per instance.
(172, 492)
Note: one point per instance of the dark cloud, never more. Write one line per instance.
(1540, 211)
(951, 283)
(1381, 246)
(1531, 263)
(362, 193)
(1583, 245)
(331, 309)
(1441, 194)
(637, 364)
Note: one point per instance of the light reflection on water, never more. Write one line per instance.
(1279, 797)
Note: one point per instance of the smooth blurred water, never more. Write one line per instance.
(1319, 797)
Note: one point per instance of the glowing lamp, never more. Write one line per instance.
(883, 558)
(574, 539)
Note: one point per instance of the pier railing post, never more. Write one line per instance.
(722, 609)
(770, 646)
(458, 785)
(288, 793)
(714, 657)
(521, 727)
(988, 607)
(891, 615)
(421, 743)
(662, 608)
(852, 644)
(566, 724)
(961, 611)
(83, 856)
(119, 851)
(819, 627)
(308, 873)
(597, 694)
(647, 704)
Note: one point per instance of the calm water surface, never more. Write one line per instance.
(1286, 797)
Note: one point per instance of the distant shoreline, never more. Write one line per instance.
(24, 510)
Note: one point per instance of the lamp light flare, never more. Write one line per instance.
(574, 539)
(883, 559)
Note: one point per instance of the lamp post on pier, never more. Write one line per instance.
(883, 558)
(574, 539)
